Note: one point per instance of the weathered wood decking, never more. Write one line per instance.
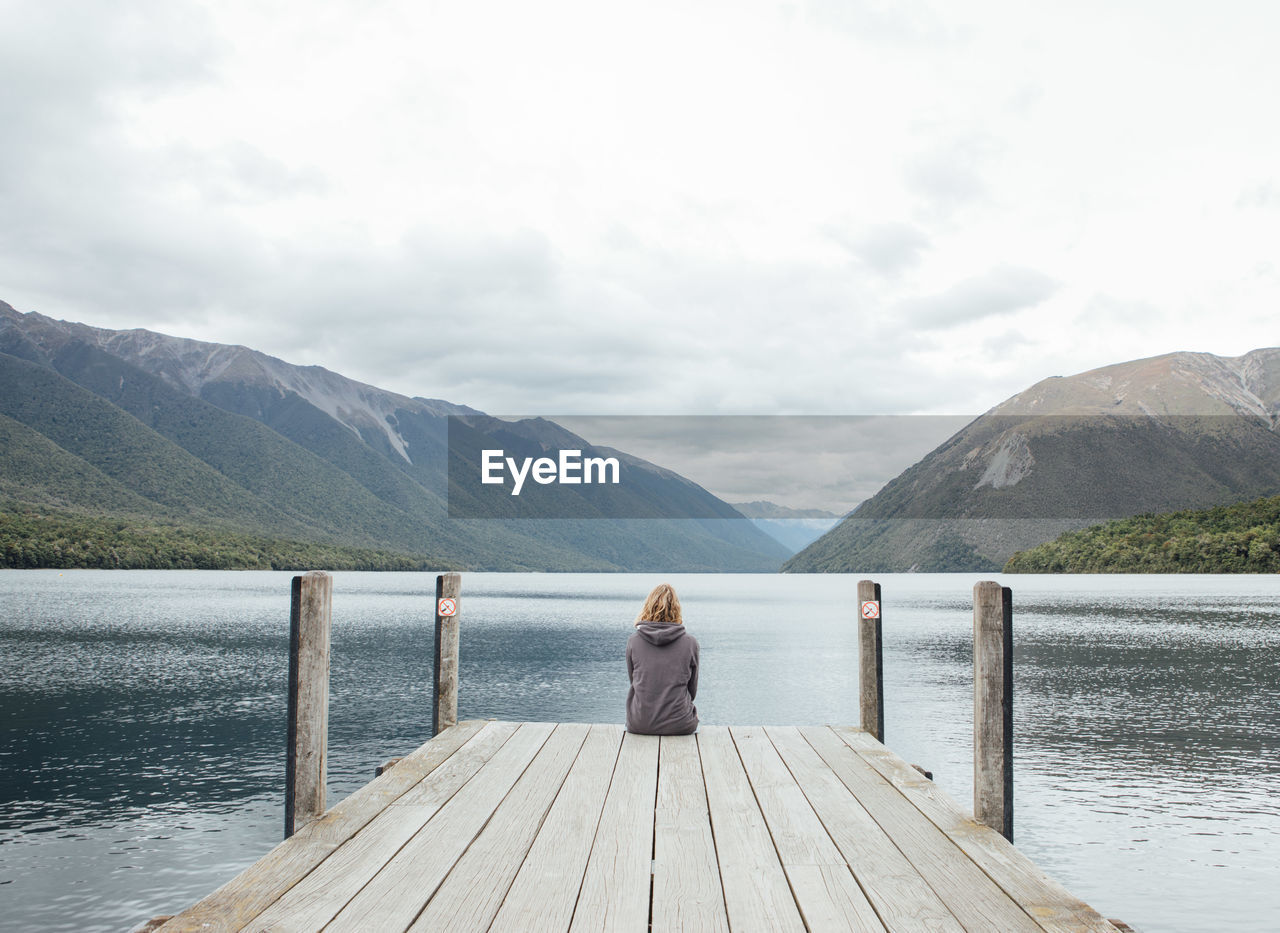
(538, 826)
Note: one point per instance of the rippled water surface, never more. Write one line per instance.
(142, 715)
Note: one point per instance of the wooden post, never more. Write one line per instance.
(306, 765)
(993, 706)
(444, 707)
(870, 658)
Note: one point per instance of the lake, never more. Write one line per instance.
(142, 715)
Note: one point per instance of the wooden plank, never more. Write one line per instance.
(397, 893)
(686, 880)
(910, 846)
(317, 898)
(150, 926)
(615, 885)
(901, 898)
(231, 906)
(469, 898)
(1053, 907)
(542, 896)
(756, 893)
(824, 888)
(975, 900)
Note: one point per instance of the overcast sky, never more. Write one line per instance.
(652, 208)
(804, 462)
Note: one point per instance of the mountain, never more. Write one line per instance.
(182, 432)
(761, 508)
(1180, 431)
(794, 529)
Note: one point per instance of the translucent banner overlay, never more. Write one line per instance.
(887, 467)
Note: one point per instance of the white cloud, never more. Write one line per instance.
(572, 206)
(888, 248)
(949, 174)
(999, 291)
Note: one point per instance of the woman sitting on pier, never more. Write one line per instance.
(662, 662)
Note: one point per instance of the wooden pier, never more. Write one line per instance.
(564, 827)
(507, 826)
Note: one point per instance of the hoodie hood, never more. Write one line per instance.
(660, 633)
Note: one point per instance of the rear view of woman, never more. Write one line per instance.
(662, 662)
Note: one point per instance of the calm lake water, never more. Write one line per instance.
(142, 728)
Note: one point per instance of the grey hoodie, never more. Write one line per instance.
(662, 662)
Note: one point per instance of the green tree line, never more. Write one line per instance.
(1240, 538)
(65, 540)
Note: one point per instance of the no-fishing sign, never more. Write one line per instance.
(447, 606)
(871, 609)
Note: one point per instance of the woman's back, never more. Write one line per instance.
(662, 662)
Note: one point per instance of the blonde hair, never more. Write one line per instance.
(663, 605)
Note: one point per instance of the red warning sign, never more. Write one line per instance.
(871, 609)
(447, 607)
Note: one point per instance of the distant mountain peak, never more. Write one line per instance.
(1181, 430)
(190, 365)
(224, 440)
(1172, 385)
(762, 508)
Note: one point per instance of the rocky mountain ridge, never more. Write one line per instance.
(1173, 385)
(191, 365)
(230, 437)
(1178, 431)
